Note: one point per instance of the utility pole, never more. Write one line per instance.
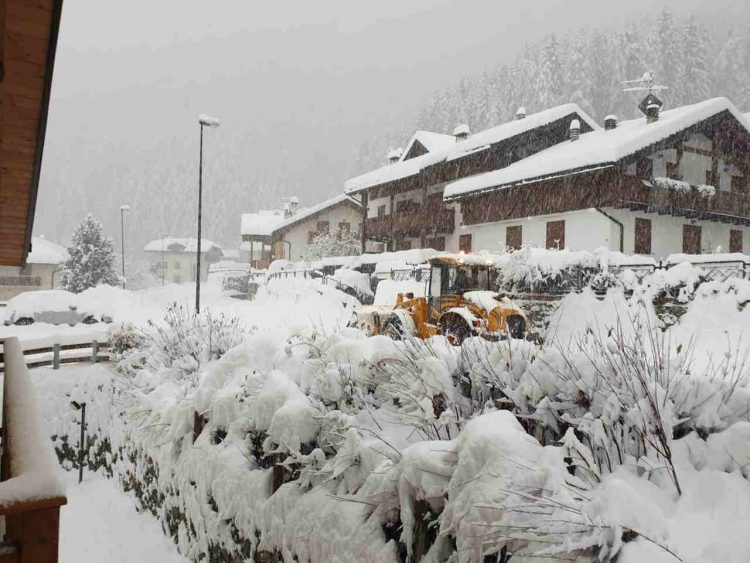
(123, 209)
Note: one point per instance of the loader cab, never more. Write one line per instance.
(450, 277)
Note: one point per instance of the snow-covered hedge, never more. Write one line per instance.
(369, 449)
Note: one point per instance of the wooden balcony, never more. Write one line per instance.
(31, 492)
(411, 223)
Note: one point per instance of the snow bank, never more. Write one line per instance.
(33, 471)
(388, 290)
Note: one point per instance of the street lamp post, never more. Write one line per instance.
(204, 121)
(163, 260)
(123, 209)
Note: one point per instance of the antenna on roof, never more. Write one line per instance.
(646, 84)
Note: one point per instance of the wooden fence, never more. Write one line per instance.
(57, 354)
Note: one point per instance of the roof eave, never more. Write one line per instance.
(42, 129)
(530, 181)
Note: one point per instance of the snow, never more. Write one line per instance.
(44, 251)
(413, 256)
(456, 150)
(357, 280)
(596, 149)
(33, 472)
(431, 141)
(100, 523)
(31, 302)
(171, 244)
(371, 426)
(704, 258)
(263, 223)
(388, 290)
(462, 129)
(394, 154)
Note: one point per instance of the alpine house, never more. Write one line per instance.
(403, 201)
(672, 181)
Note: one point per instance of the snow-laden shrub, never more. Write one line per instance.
(122, 338)
(177, 347)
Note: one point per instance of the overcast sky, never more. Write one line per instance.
(305, 79)
(144, 67)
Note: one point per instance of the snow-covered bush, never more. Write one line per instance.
(326, 245)
(177, 347)
(91, 258)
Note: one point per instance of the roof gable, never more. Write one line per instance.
(311, 212)
(596, 149)
(426, 141)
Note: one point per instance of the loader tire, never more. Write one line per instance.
(393, 328)
(455, 329)
(516, 326)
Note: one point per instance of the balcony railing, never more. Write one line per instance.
(31, 491)
(411, 223)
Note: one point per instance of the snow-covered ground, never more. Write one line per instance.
(100, 523)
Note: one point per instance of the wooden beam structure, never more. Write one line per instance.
(28, 41)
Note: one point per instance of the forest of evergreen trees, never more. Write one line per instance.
(588, 67)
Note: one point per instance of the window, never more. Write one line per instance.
(556, 234)
(663, 163)
(642, 236)
(513, 237)
(735, 241)
(437, 243)
(691, 239)
(403, 244)
(464, 243)
(324, 226)
(345, 227)
(381, 211)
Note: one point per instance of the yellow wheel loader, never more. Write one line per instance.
(458, 304)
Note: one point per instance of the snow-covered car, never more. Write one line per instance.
(53, 306)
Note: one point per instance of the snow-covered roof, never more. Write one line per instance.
(454, 150)
(170, 244)
(44, 251)
(262, 223)
(306, 212)
(431, 141)
(597, 149)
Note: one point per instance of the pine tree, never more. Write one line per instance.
(669, 63)
(91, 259)
(550, 80)
(695, 80)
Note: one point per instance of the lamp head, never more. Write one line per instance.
(208, 121)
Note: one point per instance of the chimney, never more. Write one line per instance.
(652, 113)
(461, 132)
(610, 122)
(287, 211)
(293, 204)
(394, 155)
(521, 113)
(575, 130)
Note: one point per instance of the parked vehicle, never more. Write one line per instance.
(53, 306)
(458, 304)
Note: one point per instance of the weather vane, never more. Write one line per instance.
(646, 84)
